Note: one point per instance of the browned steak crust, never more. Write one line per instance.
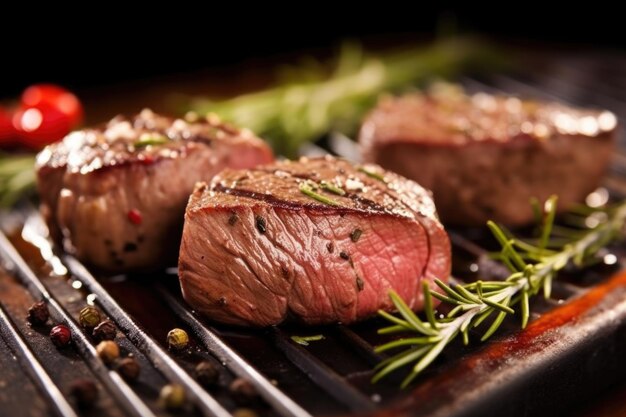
(484, 157)
(318, 240)
(115, 195)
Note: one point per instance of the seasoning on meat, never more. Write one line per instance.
(484, 156)
(309, 268)
(115, 195)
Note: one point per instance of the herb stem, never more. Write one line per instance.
(475, 302)
(318, 99)
(307, 189)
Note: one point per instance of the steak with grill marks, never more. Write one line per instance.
(318, 241)
(115, 196)
(484, 156)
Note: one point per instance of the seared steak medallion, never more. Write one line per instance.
(484, 157)
(317, 241)
(115, 196)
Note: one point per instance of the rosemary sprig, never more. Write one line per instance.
(533, 268)
(317, 99)
(17, 177)
(314, 100)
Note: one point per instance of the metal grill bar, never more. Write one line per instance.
(322, 375)
(331, 382)
(357, 342)
(110, 379)
(31, 365)
(157, 356)
(284, 405)
(466, 244)
(591, 95)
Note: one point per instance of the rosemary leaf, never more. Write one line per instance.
(498, 306)
(465, 334)
(533, 268)
(307, 190)
(525, 308)
(144, 141)
(548, 222)
(428, 305)
(401, 360)
(494, 326)
(425, 361)
(448, 290)
(372, 174)
(410, 316)
(393, 329)
(482, 317)
(466, 294)
(410, 341)
(394, 319)
(332, 188)
(304, 340)
(444, 298)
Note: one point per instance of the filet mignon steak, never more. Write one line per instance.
(116, 195)
(484, 156)
(316, 241)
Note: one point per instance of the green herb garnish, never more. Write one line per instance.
(329, 186)
(533, 268)
(372, 174)
(311, 100)
(304, 340)
(318, 98)
(307, 188)
(17, 177)
(150, 140)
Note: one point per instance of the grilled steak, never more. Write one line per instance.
(115, 196)
(318, 241)
(484, 157)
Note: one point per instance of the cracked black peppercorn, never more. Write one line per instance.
(172, 397)
(128, 368)
(356, 235)
(243, 391)
(360, 284)
(60, 335)
(85, 392)
(105, 331)
(260, 224)
(206, 373)
(38, 314)
(89, 317)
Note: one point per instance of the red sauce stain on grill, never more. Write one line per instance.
(533, 337)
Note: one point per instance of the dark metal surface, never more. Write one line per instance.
(573, 349)
(33, 367)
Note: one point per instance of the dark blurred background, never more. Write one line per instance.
(117, 44)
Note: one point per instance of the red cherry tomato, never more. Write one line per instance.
(55, 96)
(7, 132)
(41, 125)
